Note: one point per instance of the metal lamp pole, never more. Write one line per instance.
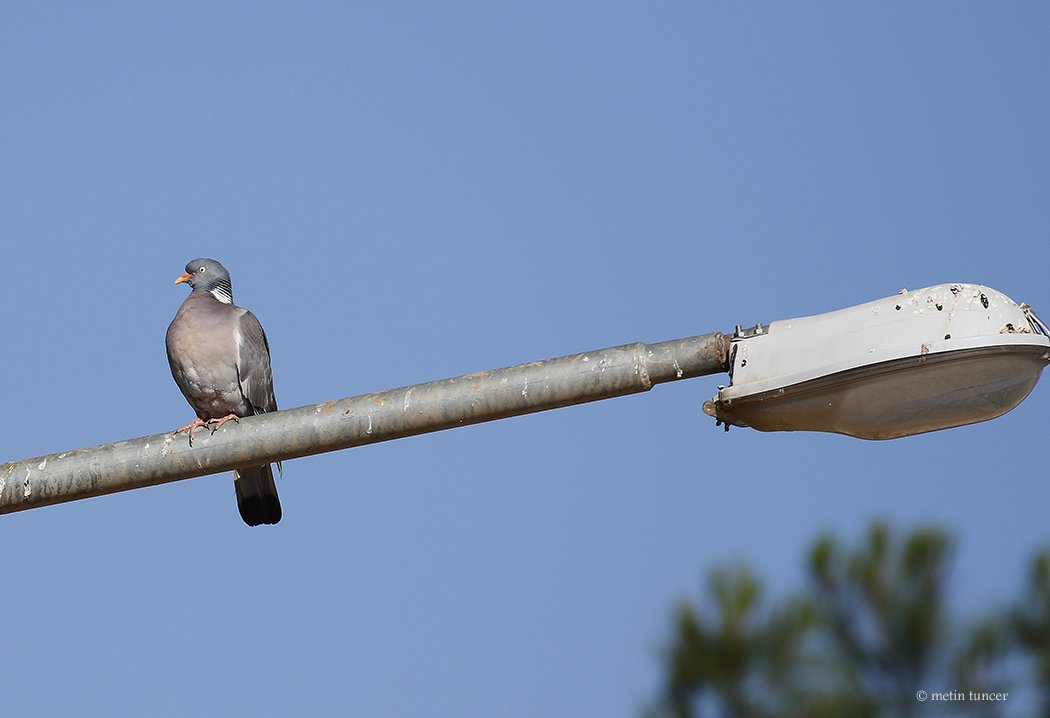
(340, 424)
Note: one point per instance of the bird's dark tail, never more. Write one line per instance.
(257, 495)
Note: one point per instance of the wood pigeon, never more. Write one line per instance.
(221, 361)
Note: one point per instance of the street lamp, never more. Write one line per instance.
(918, 361)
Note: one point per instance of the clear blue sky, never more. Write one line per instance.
(424, 190)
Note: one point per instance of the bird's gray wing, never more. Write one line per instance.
(253, 364)
(256, 491)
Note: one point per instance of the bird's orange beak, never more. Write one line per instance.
(183, 278)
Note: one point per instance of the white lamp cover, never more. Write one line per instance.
(918, 361)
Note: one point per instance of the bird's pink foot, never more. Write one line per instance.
(223, 420)
(191, 426)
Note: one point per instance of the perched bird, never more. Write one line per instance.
(220, 359)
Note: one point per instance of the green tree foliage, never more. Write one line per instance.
(883, 611)
(1029, 622)
(738, 659)
(871, 631)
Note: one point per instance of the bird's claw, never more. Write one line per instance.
(223, 420)
(199, 422)
(191, 426)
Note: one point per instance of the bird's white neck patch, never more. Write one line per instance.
(222, 295)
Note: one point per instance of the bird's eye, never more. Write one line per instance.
(202, 270)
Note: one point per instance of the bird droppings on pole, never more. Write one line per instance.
(370, 418)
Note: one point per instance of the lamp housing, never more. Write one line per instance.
(918, 361)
